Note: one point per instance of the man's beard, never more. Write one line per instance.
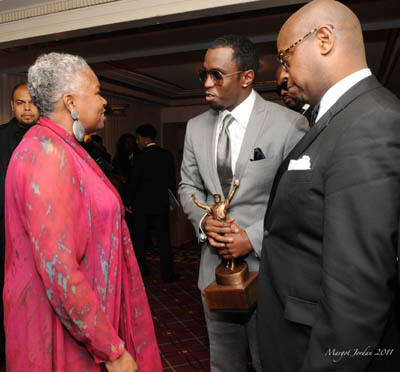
(26, 125)
(216, 107)
(300, 102)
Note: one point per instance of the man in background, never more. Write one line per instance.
(291, 94)
(11, 133)
(94, 146)
(242, 137)
(153, 180)
(328, 283)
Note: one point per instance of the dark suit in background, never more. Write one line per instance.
(153, 174)
(306, 112)
(292, 97)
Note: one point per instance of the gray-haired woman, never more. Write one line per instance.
(74, 298)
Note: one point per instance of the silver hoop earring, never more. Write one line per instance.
(77, 127)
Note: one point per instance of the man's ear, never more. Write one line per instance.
(68, 101)
(12, 105)
(326, 39)
(248, 78)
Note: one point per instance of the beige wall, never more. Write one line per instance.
(181, 114)
(138, 113)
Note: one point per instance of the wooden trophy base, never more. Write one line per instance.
(233, 290)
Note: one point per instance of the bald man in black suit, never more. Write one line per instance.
(328, 284)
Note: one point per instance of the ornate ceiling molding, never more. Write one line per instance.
(37, 24)
(48, 8)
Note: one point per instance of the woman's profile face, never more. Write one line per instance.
(89, 102)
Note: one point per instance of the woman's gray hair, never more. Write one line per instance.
(51, 76)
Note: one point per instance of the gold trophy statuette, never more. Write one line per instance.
(235, 289)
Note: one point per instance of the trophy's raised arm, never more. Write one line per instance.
(234, 288)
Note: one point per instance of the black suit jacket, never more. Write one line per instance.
(306, 113)
(328, 289)
(153, 173)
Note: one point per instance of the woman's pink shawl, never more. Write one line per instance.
(73, 293)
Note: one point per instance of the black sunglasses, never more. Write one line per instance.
(215, 75)
(281, 87)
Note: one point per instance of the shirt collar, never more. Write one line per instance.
(341, 87)
(241, 113)
(151, 144)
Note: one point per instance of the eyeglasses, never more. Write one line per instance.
(217, 76)
(281, 87)
(283, 55)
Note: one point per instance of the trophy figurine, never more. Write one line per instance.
(235, 288)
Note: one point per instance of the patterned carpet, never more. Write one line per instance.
(178, 313)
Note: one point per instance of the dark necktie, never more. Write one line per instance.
(224, 158)
(314, 115)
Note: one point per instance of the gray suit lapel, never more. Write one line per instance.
(254, 127)
(210, 139)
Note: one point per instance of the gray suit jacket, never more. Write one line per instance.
(272, 128)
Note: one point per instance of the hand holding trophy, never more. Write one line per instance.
(219, 211)
(234, 288)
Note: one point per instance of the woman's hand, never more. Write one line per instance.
(125, 363)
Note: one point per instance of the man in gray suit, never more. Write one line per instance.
(241, 137)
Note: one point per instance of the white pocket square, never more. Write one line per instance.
(300, 164)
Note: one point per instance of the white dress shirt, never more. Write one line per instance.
(237, 128)
(341, 87)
